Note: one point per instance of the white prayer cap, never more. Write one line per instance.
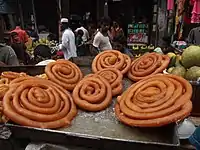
(64, 20)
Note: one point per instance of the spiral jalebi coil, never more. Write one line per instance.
(64, 73)
(111, 59)
(43, 76)
(4, 81)
(36, 102)
(8, 76)
(155, 101)
(4, 87)
(93, 93)
(114, 77)
(148, 64)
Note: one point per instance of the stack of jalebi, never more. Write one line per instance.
(64, 73)
(43, 76)
(114, 77)
(148, 64)
(36, 102)
(111, 59)
(93, 93)
(9, 76)
(4, 87)
(155, 101)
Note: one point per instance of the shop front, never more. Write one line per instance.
(8, 10)
(81, 8)
(186, 18)
(123, 11)
(134, 17)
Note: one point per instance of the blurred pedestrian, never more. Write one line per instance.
(85, 36)
(101, 40)
(68, 40)
(23, 36)
(19, 48)
(7, 54)
(118, 37)
(80, 43)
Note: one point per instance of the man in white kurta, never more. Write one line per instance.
(68, 45)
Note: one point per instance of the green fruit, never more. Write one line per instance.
(171, 55)
(178, 61)
(143, 47)
(40, 41)
(43, 40)
(193, 73)
(179, 71)
(170, 70)
(172, 62)
(135, 47)
(151, 47)
(191, 57)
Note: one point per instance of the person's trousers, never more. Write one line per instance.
(195, 139)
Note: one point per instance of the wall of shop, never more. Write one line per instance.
(26, 10)
(162, 21)
(47, 14)
(77, 7)
(80, 8)
(9, 12)
(8, 7)
(125, 10)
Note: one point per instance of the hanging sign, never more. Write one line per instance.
(137, 33)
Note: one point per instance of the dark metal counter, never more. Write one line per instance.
(97, 130)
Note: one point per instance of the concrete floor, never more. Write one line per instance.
(16, 145)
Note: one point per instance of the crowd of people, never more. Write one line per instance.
(91, 41)
(13, 49)
(83, 41)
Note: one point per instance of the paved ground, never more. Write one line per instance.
(13, 144)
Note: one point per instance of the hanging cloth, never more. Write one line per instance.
(179, 20)
(170, 4)
(196, 11)
(180, 4)
(176, 21)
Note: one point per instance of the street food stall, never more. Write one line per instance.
(63, 103)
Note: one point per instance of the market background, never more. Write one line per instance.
(161, 21)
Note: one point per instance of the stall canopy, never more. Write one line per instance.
(8, 6)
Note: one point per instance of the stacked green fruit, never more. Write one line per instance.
(43, 41)
(178, 69)
(172, 59)
(135, 47)
(193, 73)
(191, 57)
(187, 65)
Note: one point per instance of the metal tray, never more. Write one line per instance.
(99, 130)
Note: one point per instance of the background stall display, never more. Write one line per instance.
(137, 34)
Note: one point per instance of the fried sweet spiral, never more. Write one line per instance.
(43, 76)
(155, 101)
(64, 73)
(127, 64)
(9, 75)
(93, 93)
(4, 81)
(114, 77)
(3, 118)
(3, 89)
(36, 102)
(111, 58)
(148, 64)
